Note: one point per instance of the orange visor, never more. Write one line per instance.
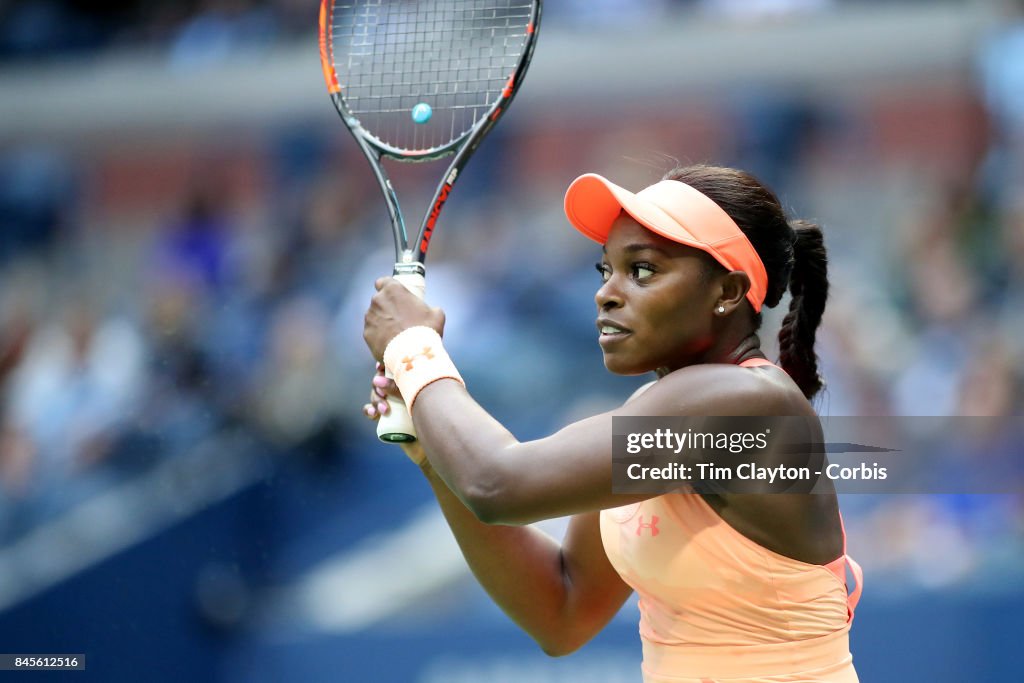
(673, 210)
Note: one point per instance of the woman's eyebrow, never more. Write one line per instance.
(639, 246)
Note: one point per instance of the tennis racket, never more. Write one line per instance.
(419, 80)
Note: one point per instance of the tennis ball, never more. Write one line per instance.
(421, 113)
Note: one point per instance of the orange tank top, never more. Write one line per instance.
(717, 605)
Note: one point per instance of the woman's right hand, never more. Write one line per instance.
(381, 388)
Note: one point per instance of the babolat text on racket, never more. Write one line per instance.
(418, 80)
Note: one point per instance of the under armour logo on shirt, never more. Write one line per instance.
(652, 526)
(427, 353)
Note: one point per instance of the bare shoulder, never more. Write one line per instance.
(722, 389)
(636, 394)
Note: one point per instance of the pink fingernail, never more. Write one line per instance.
(379, 366)
(379, 381)
(383, 408)
(380, 392)
(371, 411)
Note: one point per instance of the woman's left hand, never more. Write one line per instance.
(382, 387)
(392, 310)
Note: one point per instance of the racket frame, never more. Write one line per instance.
(396, 426)
(411, 256)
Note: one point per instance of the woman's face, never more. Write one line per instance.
(655, 306)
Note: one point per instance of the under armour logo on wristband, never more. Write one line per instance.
(416, 357)
(427, 354)
(653, 526)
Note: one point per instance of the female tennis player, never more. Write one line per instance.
(732, 587)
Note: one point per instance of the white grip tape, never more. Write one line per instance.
(414, 282)
(396, 425)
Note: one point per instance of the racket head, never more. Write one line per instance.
(383, 60)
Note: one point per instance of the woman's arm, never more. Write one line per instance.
(504, 481)
(562, 596)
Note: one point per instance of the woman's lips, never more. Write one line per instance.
(610, 331)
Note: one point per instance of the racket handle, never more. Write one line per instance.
(396, 425)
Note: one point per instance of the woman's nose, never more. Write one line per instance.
(608, 295)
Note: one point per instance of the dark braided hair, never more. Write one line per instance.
(793, 254)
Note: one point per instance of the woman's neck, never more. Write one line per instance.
(732, 352)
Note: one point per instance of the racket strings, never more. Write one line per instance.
(456, 56)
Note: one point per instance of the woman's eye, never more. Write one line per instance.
(605, 271)
(642, 271)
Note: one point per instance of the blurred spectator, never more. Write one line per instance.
(80, 377)
(196, 244)
(180, 407)
(37, 191)
(991, 384)
(296, 395)
(1001, 66)
(942, 300)
(221, 29)
(1010, 222)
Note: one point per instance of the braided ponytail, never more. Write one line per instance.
(808, 285)
(793, 253)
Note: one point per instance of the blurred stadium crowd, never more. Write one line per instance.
(152, 299)
(200, 31)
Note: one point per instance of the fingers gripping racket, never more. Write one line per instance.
(418, 80)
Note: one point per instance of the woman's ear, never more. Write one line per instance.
(734, 286)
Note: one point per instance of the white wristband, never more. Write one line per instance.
(416, 358)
